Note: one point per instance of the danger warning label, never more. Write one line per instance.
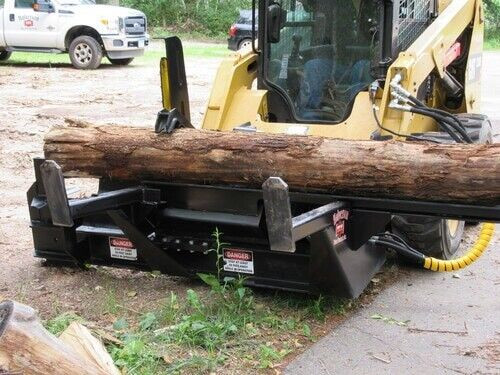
(240, 261)
(340, 219)
(122, 248)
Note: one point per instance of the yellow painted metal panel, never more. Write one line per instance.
(474, 63)
(233, 102)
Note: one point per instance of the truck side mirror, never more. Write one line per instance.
(276, 18)
(44, 6)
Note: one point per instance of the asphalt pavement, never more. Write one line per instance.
(425, 323)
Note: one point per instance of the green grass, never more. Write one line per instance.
(58, 324)
(151, 56)
(492, 41)
(224, 328)
(195, 36)
(228, 327)
(190, 50)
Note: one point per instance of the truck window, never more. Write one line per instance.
(24, 3)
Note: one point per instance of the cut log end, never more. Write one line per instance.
(26, 347)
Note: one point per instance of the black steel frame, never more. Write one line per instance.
(293, 235)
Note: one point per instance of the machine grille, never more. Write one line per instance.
(414, 17)
(135, 25)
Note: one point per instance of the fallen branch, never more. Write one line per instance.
(460, 333)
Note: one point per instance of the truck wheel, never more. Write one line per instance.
(85, 52)
(479, 129)
(437, 237)
(244, 43)
(121, 61)
(5, 55)
(431, 236)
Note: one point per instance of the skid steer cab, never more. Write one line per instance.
(274, 238)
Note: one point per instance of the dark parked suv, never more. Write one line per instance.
(240, 33)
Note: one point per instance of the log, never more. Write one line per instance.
(80, 339)
(391, 169)
(27, 348)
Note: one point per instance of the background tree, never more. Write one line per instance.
(211, 17)
(214, 17)
(492, 10)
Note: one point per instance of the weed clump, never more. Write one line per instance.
(57, 325)
(228, 326)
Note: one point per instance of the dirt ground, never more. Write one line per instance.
(32, 99)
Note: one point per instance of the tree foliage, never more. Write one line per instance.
(213, 17)
(492, 8)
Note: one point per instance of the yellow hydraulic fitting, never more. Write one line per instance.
(472, 255)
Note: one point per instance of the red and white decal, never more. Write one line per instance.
(339, 222)
(340, 229)
(28, 22)
(237, 260)
(122, 248)
(342, 215)
(452, 54)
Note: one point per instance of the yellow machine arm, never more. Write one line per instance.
(427, 54)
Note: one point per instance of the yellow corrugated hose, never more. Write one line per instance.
(472, 255)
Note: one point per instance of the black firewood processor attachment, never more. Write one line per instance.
(276, 238)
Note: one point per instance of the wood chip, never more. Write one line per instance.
(381, 359)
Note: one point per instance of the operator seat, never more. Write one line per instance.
(321, 72)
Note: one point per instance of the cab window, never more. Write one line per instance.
(324, 56)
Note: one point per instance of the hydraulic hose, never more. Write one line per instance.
(449, 115)
(445, 123)
(445, 119)
(458, 125)
(406, 251)
(422, 105)
(472, 255)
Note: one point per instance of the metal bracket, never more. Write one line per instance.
(154, 257)
(278, 215)
(169, 120)
(283, 229)
(55, 191)
(63, 211)
(315, 220)
(177, 81)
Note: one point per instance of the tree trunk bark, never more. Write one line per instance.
(27, 348)
(393, 169)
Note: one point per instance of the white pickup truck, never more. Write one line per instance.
(87, 31)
